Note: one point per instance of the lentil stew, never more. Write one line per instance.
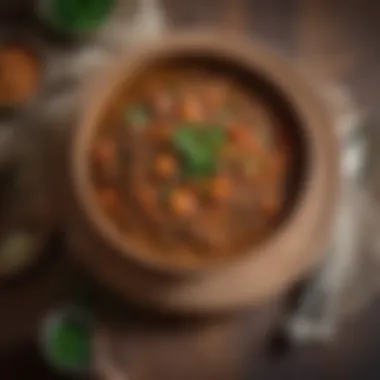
(190, 164)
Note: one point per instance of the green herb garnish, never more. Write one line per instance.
(199, 146)
(70, 344)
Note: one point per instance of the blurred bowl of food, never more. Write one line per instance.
(202, 174)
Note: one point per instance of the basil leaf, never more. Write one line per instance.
(184, 140)
(199, 146)
(215, 137)
(200, 165)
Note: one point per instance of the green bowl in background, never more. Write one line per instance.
(65, 338)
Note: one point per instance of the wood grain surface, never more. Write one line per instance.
(336, 40)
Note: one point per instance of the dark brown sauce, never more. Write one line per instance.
(191, 165)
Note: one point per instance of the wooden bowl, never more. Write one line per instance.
(250, 278)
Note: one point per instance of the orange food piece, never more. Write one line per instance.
(108, 198)
(239, 135)
(245, 138)
(237, 132)
(183, 202)
(20, 73)
(220, 188)
(165, 165)
(191, 109)
(105, 152)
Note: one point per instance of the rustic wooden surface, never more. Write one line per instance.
(336, 40)
(217, 348)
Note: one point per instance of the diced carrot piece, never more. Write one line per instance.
(183, 202)
(245, 139)
(165, 165)
(239, 134)
(191, 109)
(220, 188)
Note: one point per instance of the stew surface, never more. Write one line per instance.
(191, 166)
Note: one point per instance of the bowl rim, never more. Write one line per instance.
(312, 212)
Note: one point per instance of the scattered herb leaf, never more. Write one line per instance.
(199, 146)
(70, 344)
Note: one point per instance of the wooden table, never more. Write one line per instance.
(337, 40)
